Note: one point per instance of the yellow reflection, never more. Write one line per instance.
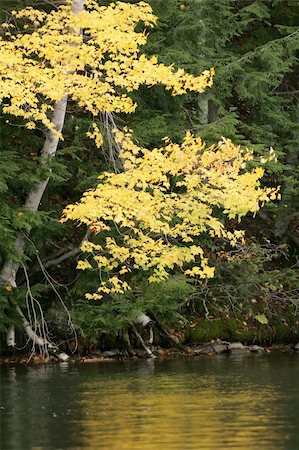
(177, 411)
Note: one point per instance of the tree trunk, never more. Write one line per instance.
(207, 111)
(9, 270)
(203, 110)
(10, 337)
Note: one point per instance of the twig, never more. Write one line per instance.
(51, 282)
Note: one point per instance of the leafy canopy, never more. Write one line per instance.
(48, 59)
(148, 216)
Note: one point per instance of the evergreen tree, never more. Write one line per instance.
(253, 46)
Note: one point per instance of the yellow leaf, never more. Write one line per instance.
(261, 318)
(8, 287)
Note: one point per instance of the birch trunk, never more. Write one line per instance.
(10, 336)
(9, 270)
(207, 111)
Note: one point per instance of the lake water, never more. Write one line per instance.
(225, 402)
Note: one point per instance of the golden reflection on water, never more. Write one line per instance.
(162, 410)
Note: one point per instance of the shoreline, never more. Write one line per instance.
(210, 349)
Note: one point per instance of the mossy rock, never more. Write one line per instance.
(285, 331)
(278, 331)
(207, 330)
(227, 329)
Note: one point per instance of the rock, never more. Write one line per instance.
(93, 360)
(188, 349)
(62, 357)
(157, 351)
(207, 350)
(96, 352)
(211, 348)
(297, 347)
(218, 348)
(112, 354)
(257, 349)
(197, 350)
(236, 346)
(142, 353)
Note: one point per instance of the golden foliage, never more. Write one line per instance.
(151, 213)
(48, 58)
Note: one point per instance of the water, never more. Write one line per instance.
(209, 403)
